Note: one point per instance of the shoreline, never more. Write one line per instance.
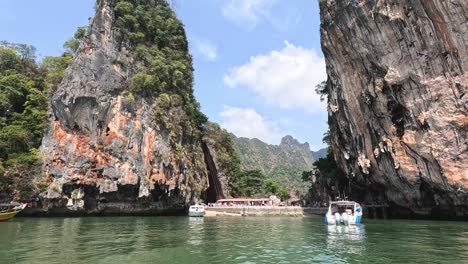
(279, 211)
(268, 211)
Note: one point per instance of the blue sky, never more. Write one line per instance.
(256, 61)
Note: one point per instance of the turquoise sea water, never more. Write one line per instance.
(229, 240)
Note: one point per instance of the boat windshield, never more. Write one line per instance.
(344, 203)
(343, 207)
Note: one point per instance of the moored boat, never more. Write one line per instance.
(343, 212)
(197, 210)
(8, 214)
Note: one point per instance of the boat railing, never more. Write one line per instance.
(9, 204)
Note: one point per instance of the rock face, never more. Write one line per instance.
(319, 154)
(103, 151)
(256, 154)
(397, 85)
(284, 162)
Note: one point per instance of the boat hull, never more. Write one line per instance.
(196, 214)
(8, 216)
(351, 213)
(196, 211)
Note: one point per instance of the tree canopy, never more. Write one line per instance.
(24, 89)
(160, 48)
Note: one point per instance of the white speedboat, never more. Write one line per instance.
(343, 212)
(197, 210)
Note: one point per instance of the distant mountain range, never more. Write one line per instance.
(284, 162)
(322, 153)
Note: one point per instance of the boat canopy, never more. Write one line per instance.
(344, 203)
(240, 200)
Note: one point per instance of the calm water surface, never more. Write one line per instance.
(229, 240)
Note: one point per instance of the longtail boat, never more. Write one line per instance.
(8, 214)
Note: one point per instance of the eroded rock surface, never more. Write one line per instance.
(397, 83)
(103, 151)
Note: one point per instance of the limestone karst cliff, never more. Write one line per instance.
(397, 86)
(125, 134)
(284, 163)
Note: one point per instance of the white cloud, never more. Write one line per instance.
(205, 49)
(247, 13)
(246, 122)
(286, 78)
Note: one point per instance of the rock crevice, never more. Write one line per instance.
(104, 151)
(397, 74)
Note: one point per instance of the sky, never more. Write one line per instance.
(256, 61)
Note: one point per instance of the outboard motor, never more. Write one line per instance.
(358, 215)
(344, 217)
(337, 217)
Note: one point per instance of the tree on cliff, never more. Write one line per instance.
(24, 86)
(160, 49)
(327, 179)
(72, 45)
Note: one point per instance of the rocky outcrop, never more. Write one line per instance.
(319, 154)
(284, 162)
(256, 154)
(104, 152)
(397, 85)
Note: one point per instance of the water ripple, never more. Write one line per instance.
(229, 240)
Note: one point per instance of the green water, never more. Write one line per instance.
(229, 240)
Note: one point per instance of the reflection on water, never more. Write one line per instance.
(195, 231)
(229, 240)
(346, 232)
(346, 238)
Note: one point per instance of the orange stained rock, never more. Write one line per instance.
(59, 134)
(409, 137)
(147, 154)
(119, 120)
(81, 143)
(57, 162)
(405, 161)
(459, 120)
(158, 177)
(454, 172)
(103, 159)
(108, 139)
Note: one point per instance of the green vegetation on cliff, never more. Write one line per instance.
(162, 73)
(283, 163)
(160, 48)
(239, 182)
(24, 89)
(73, 44)
(324, 179)
(222, 142)
(327, 181)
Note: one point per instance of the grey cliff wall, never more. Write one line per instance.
(103, 152)
(398, 101)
